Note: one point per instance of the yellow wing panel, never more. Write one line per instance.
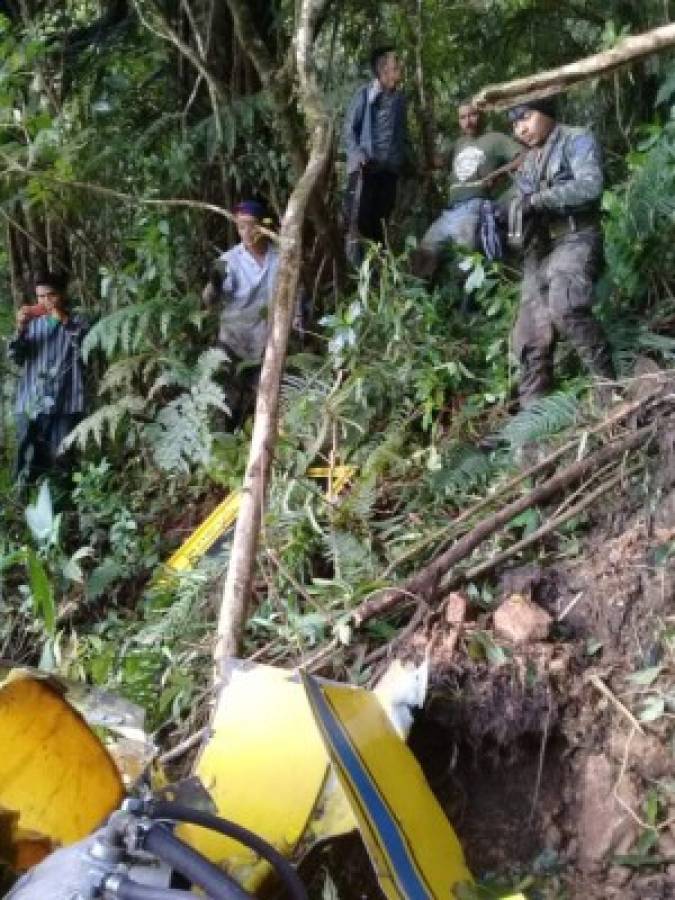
(225, 514)
(263, 766)
(204, 537)
(53, 769)
(414, 849)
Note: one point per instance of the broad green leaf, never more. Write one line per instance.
(42, 591)
(645, 676)
(40, 515)
(653, 709)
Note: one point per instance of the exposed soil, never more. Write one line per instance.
(532, 762)
(536, 766)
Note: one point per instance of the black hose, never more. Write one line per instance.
(217, 884)
(132, 890)
(165, 809)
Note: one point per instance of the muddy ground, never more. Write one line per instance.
(538, 767)
(538, 759)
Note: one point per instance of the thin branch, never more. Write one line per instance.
(120, 195)
(250, 40)
(547, 528)
(19, 227)
(167, 33)
(449, 531)
(239, 582)
(544, 84)
(426, 581)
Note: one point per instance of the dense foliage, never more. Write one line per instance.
(107, 116)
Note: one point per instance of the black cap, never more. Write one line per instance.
(545, 105)
(378, 55)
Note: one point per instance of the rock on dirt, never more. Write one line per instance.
(605, 823)
(521, 621)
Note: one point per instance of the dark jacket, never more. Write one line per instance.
(572, 180)
(359, 126)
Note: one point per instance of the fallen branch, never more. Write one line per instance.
(448, 531)
(544, 84)
(425, 583)
(481, 570)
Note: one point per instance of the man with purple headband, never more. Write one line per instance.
(242, 284)
(560, 183)
(241, 288)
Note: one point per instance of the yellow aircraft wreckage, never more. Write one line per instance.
(217, 525)
(289, 760)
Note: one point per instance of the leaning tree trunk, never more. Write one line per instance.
(278, 81)
(240, 573)
(510, 93)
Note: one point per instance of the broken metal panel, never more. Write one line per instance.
(54, 771)
(412, 846)
(263, 766)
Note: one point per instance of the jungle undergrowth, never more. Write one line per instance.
(398, 384)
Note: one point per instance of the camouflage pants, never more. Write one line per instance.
(557, 295)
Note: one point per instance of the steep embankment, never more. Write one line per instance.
(547, 732)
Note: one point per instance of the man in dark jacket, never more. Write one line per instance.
(376, 143)
(50, 398)
(560, 183)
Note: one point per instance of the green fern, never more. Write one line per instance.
(175, 621)
(123, 330)
(120, 375)
(544, 417)
(172, 377)
(106, 419)
(352, 559)
(629, 338)
(180, 435)
(360, 500)
(137, 326)
(464, 469)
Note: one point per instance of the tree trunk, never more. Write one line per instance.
(240, 573)
(293, 134)
(511, 93)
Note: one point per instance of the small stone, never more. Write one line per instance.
(604, 824)
(521, 621)
(455, 609)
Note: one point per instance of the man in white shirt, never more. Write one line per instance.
(241, 289)
(242, 286)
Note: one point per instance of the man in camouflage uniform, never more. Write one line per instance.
(560, 183)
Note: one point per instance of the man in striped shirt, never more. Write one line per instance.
(50, 398)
